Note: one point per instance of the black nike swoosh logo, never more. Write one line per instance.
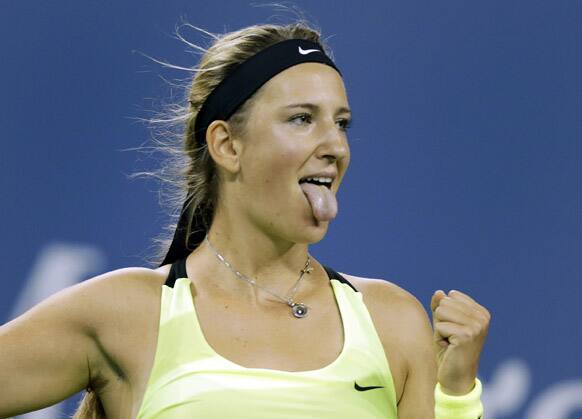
(360, 388)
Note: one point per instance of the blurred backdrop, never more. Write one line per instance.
(465, 170)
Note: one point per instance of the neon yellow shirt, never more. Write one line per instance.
(190, 380)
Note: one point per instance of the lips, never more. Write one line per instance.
(327, 176)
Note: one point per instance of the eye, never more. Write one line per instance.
(300, 119)
(344, 123)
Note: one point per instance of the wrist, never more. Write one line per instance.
(459, 388)
(467, 406)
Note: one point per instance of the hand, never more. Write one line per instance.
(460, 327)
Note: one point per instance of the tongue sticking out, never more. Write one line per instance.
(322, 201)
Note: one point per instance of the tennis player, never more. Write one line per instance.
(239, 320)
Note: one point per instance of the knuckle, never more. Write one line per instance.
(479, 329)
(446, 301)
(466, 334)
(482, 318)
(476, 329)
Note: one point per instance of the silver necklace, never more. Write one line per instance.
(299, 310)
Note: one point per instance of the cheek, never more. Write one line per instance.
(277, 157)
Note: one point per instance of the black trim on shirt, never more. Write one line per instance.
(335, 275)
(178, 270)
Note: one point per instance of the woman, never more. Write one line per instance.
(239, 321)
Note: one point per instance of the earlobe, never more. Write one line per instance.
(221, 146)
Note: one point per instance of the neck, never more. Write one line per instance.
(273, 263)
(257, 255)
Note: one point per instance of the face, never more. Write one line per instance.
(296, 128)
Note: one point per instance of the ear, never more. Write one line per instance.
(222, 146)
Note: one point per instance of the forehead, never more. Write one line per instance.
(309, 82)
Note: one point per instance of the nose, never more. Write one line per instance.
(334, 145)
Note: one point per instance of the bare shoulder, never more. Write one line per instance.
(126, 278)
(118, 299)
(398, 315)
(125, 307)
(107, 293)
(385, 295)
(117, 308)
(120, 283)
(86, 302)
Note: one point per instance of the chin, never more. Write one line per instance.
(313, 233)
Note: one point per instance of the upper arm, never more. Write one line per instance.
(50, 352)
(417, 398)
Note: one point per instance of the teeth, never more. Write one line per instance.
(320, 179)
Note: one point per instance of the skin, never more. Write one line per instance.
(103, 332)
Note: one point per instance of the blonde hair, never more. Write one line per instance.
(188, 169)
(90, 407)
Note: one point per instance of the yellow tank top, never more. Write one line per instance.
(190, 380)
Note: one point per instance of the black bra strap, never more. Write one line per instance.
(178, 270)
(334, 275)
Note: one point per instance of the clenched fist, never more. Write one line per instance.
(460, 327)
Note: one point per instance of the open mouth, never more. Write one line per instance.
(320, 181)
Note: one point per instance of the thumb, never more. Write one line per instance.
(439, 338)
(436, 299)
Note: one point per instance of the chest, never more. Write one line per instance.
(254, 337)
(269, 336)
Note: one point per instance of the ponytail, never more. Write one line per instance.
(90, 407)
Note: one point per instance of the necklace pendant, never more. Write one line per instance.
(299, 310)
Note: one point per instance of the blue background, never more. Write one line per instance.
(465, 168)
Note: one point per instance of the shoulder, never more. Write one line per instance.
(380, 294)
(120, 311)
(110, 296)
(131, 279)
(88, 299)
(399, 317)
(129, 276)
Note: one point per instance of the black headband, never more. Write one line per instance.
(235, 89)
(249, 76)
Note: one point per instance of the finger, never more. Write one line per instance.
(436, 298)
(460, 296)
(463, 305)
(453, 333)
(439, 339)
(450, 313)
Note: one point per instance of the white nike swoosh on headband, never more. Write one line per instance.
(307, 51)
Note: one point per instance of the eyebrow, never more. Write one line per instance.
(314, 107)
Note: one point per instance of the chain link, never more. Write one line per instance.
(307, 269)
